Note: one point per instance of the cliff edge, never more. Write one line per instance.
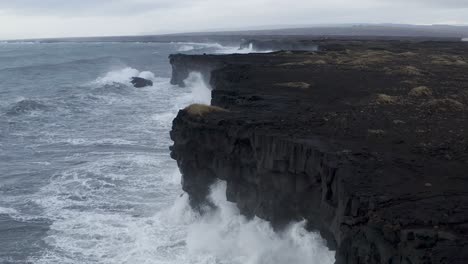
(367, 141)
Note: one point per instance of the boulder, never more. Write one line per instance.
(139, 82)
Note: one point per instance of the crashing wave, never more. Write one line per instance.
(185, 48)
(198, 93)
(217, 48)
(123, 76)
(225, 234)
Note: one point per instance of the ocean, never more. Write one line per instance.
(85, 171)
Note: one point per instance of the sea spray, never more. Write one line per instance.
(199, 91)
(216, 48)
(225, 236)
(123, 76)
(185, 48)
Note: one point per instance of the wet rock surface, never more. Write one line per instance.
(366, 140)
(139, 82)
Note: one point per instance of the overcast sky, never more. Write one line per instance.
(66, 18)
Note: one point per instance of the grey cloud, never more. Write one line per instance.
(86, 7)
(433, 3)
(59, 18)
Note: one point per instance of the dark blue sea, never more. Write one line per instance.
(85, 172)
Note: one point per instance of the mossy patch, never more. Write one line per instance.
(408, 54)
(420, 91)
(297, 85)
(410, 70)
(448, 60)
(404, 70)
(371, 57)
(201, 110)
(304, 63)
(443, 105)
(385, 99)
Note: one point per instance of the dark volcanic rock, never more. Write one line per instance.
(279, 44)
(139, 82)
(367, 141)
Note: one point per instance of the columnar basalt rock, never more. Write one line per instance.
(383, 181)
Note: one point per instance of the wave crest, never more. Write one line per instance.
(26, 106)
(184, 48)
(226, 235)
(122, 76)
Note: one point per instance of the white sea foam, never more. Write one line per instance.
(237, 50)
(188, 46)
(226, 235)
(127, 207)
(17, 215)
(104, 213)
(164, 119)
(185, 48)
(147, 75)
(90, 142)
(19, 42)
(119, 76)
(123, 76)
(218, 48)
(198, 91)
(8, 211)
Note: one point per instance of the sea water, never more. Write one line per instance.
(85, 171)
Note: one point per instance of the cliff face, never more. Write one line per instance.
(369, 146)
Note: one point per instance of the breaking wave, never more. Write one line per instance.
(123, 76)
(226, 235)
(200, 92)
(184, 48)
(237, 50)
(216, 48)
(8, 211)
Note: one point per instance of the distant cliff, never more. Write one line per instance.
(367, 141)
(279, 44)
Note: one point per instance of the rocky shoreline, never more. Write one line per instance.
(366, 140)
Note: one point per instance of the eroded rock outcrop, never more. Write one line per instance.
(139, 82)
(346, 139)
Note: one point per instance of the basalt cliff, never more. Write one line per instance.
(366, 140)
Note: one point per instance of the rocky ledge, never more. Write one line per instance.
(367, 141)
